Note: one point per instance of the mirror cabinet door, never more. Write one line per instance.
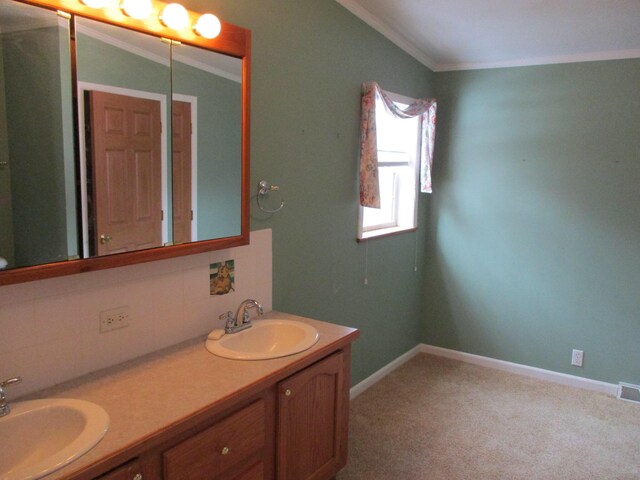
(124, 87)
(206, 144)
(38, 218)
(116, 141)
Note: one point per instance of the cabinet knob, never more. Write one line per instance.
(225, 451)
(287, 393)
(137, 476)
(105, 239)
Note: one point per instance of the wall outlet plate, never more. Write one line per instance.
(577, 358)
(114, 319)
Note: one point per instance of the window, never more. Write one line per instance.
(398, 162)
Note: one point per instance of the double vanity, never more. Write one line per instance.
(183, 413)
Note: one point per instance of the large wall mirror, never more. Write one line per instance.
(119, 143)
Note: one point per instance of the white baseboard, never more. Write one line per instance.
(539, 373)
(383, 372)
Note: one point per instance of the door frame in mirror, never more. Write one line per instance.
(233, 41)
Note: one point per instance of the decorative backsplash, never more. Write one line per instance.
(50, 329)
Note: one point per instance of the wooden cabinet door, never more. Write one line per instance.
(310, 441)
(129, 471)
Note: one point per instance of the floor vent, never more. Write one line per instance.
(629, 392)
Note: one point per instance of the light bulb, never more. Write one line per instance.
(138, 9)
(94, 3)
(208, 26)
(175, 16)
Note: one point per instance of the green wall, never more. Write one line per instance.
(66, 111)
(6, 216)
(100, 62)
(529, 246)
(219, 148)
(309, 60)
(535, 218)
(36, 147)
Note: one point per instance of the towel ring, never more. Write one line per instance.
(263, 189)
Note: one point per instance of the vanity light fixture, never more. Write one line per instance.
(175, 16)
(208, 26)
(95, 3)
(138, 9)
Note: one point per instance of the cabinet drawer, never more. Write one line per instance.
(219, 448)
(256, 472)
(129, 471)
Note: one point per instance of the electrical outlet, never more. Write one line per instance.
(114, 319)
(577, 358)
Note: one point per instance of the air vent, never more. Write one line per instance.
(629, 392)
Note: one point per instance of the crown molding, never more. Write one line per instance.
(530, 62)
(392, 34)
(143, 53)
(123, 45)
(207, 68)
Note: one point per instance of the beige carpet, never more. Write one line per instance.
(435, 418)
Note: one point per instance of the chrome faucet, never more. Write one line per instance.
(241, 321)
(244, 309)
(4, 406)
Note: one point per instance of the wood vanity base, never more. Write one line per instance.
(185, 414)
(295, 429)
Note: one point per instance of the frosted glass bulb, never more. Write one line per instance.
(175, 16)
(208, 26)
(138, 9)
(94, 3)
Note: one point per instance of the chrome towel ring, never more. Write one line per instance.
(263, 190)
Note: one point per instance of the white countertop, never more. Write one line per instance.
(147, 395)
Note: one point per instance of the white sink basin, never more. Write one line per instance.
(40, 436)
(266, 339)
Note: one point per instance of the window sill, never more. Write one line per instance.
(384, 232)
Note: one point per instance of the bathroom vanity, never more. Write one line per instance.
(184, 413)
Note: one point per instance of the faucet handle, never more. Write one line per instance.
(4, 406)
(11, 381)
(228, 318)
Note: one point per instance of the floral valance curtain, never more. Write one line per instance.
(426, 107)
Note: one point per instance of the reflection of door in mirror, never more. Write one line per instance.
(37, 173)
(129, 65)
(125, 157)
(181, 129)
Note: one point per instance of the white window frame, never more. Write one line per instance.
(402, 223)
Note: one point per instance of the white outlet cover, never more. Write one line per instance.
(114, 319)
(577, 358)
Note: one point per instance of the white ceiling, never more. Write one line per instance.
(469, 34)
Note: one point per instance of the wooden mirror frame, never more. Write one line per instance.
(233, 41)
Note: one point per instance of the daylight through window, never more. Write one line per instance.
(398, 153)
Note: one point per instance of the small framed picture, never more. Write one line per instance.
(221, 277)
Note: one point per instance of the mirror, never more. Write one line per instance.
(37, 166)
(148, 161)
(124, 87)
(207, 141)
